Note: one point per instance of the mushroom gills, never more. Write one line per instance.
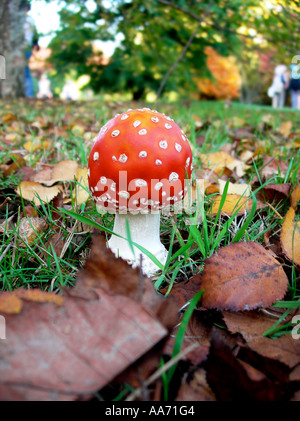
(144, 231)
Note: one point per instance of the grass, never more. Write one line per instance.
(41, 264)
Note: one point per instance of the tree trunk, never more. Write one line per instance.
(12, 48)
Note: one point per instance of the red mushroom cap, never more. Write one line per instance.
(139, 162)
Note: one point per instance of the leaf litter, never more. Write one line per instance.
(111, 328)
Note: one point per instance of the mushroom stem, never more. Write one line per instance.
(144, 230)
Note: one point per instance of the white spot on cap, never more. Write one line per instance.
(103, 130)
(103, 180)
(124, 116)
(88, 172)
(183, 137)
(136, 123)
(168, 126)
(124, 194)
(143, 132)
(123, 158)
(96, 156)
(158, 162)
(158, 186)
(155, 119)
(187, 163)
(163, 144)
(114, 158)
(140, 183)
(178, 147)
(143, 154)
(115, 133)
(173, 176)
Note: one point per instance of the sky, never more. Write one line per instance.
(46, 19)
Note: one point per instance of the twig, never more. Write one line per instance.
(172, 68)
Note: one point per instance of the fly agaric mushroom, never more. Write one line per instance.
(138, 166)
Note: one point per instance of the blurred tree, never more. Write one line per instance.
(226, 81)
(164, 41)
(12, 47)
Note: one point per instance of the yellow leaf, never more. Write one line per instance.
(290, 237)
(30, 190)
(285, 128)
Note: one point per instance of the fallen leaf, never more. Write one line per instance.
(295, 197)
(16, 161)
(12, 302)
(234, 204)
(285, 128)
(242, 276)
(101, 328)
(290, 237)
(232, 379)
(235, 188)
(63, 171)
(30, 190)
(29, 229)
(81, 193)
(273, 167)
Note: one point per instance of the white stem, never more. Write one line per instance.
(144, 230)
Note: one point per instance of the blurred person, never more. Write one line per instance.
(279, 86)
(31, 43)
(294, 87)
(44, 87)
(70, 91)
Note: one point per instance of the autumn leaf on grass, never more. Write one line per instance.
(285, 128)
(35, 192)
(242, 276)
(16, 161)
(290, 237)
(295, 197)
(63, 171)
(30, 228)
(81, 193)
(234, 204)
(219, 161)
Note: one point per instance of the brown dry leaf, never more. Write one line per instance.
(245, 375)
(242, 276)
(12, 302)
(295, 197)
(30, 228)
(290, 237)
(63, 171)
(252, 325)
(285, 128)
(196, 390)
(235, 188)
(72, 351)
(30, 190)
(273, 167)
(16, 161)
(233, 204)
